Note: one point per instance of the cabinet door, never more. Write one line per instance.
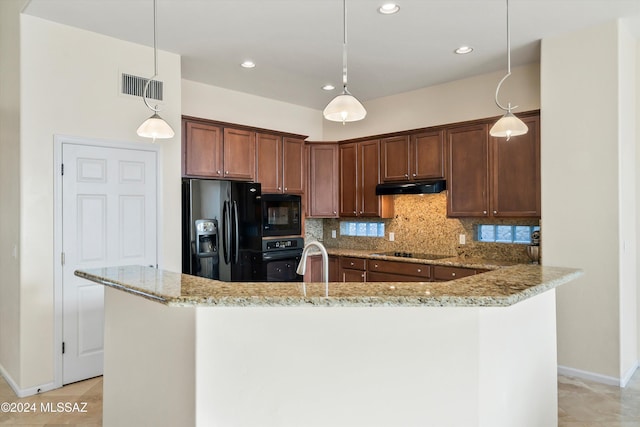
(348, 275)
(369, 177)
(334, 269)
(323, 181)
(239, 154)
(202, 150)
(442, 273)
(314, 269)
(269, 162)
(516, 173)
(467, 175)
(293, 165)
(427, 155)
(395, 158)
(348, 175)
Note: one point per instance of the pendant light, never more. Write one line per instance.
(154, 127)
(509, 125)
(344, 107)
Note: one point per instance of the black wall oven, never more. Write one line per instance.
(281, 215)
(278, 260)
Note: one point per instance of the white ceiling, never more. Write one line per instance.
(297, 44)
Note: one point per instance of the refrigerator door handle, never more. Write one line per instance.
(236, 226)
(226, 232)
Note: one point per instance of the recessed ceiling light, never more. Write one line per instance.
(389, 8)
(248, 64)
(328, 87)
(463, 50)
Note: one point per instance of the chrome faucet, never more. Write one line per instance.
(302, 267)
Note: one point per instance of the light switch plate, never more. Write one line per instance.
(462, 239)
(392, 237)
(333, 234)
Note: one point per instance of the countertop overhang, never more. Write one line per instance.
(503, 286)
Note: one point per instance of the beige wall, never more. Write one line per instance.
(215, 103)
(10, 187)
(457, 101)
(585, 138)
(73, 90)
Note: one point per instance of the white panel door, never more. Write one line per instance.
(109, 215)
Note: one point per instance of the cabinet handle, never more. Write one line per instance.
(484, 212)
(495, 212)
(226, 172)
(351, 263)
(419, 270)
(218, 172)
(354, 212)
(335, 213)
(285, 188)
(375, 265)
(414, 175)
(453, 274)
(279, 188)
(406, 176)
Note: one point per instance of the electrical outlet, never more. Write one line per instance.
(333, 234)
(462, 239)
(392, 237)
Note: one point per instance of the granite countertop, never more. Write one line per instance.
(501, 287)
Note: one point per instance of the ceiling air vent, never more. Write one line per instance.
(134, 85)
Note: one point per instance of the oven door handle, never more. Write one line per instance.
(272, 256)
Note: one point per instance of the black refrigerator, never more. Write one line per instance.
(221, 228)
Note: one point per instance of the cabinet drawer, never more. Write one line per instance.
(397, 267)
(442, 273)
(353, 263)
(375, 276)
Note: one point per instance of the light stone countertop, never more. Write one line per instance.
(501, 287)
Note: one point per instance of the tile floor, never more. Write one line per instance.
(580, 404)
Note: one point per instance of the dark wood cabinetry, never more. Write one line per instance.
(415, 157)
(468, 171)
(397, 271)
(212, 151)
(314, 269)
(280, 164)
(202, 150)
(322, 180)
(493, 177)
(352, 269)
(359, 175)
(443, 273)
(515, 178)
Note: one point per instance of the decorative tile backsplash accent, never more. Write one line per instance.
(420, 224)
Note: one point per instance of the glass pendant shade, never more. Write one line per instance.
(155, 127)
(344, 108)
(508, 126)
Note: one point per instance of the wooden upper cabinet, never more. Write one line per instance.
(293, 165)
(369, 176)
(416, 157)
(348, 154)
(269, 162)
(323, 180)
(280, 164)
(202, 150)
(239, 154)
(515, 178)
(427, 156)
(468, 171)
(359, 175)
(395, 158)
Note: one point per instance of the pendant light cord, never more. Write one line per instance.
(344, 46)
(508, 107)
(155, 60)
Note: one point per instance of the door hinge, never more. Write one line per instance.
(62, 347)
(62, 169)
(62, 258)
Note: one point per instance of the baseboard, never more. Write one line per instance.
(25, 392)
(599, 378)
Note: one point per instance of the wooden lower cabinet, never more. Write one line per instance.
(352, 269)
(397, 271)
(443, 273)
(314, 269)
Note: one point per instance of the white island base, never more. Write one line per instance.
(329, 366)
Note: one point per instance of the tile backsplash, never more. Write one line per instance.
(420, 225)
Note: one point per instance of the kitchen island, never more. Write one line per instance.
(183, 350)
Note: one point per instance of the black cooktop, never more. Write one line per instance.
(414, 255)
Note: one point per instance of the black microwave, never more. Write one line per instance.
(281, 215)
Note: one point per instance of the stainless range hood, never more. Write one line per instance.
(422, 187)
